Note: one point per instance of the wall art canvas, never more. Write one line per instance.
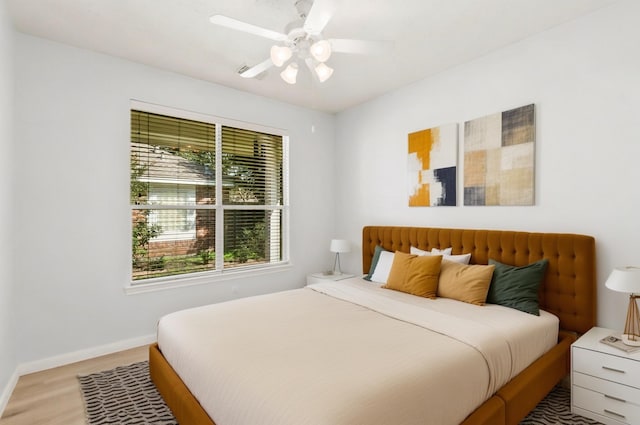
(432, 166)
(499, 153)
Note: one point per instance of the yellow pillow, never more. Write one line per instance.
(414, 275)
(468, 283)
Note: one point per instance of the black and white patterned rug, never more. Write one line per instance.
(126, 395)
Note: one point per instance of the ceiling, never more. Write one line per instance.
(428, 36)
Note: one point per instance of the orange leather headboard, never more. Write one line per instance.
(569, 286)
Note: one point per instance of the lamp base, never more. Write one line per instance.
(630, 335)
(336, 264)
(630, 342)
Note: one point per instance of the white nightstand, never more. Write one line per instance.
(321, 277)
(605, 381)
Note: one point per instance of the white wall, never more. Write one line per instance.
(584, 78)
(70, 171)
(71, 177)
(7, 345)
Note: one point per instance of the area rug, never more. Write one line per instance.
(125, 395)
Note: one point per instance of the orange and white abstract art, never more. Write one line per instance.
(432, 165)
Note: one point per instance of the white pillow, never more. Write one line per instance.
(462, 258)
(434, 251)
(381, 273)
(415, 251)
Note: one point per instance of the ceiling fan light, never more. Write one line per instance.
(323, 72)
(280, 54)
(290, 73)
(321, 50)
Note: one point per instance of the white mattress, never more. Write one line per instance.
(349, 352)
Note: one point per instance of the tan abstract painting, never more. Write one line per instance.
(432, 166)
(499, 154)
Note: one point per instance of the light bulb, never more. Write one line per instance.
(323, 72)
(279, 55)
(290, 73)
(321, 50)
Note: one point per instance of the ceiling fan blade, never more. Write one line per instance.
(257, 69)
(319, 16)
(225, 21)
(360, 47)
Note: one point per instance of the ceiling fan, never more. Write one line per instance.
(302, 41)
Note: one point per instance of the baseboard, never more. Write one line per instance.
(80, 355)
(8, 390)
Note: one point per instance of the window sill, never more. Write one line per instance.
(160, 284)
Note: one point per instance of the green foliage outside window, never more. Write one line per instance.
(142, 231)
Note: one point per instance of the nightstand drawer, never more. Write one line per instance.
(625, 413)
(605, 366)
(608, 389)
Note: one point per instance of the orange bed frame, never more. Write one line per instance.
(568, 291)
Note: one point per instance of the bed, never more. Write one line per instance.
(567, 292)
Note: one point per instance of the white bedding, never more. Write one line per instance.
(349, 352)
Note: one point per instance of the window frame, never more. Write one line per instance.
(219, 274)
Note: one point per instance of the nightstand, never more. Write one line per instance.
(321, 277)
(605, 381)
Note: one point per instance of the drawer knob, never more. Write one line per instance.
(613, 369)
(610, 397)
(614, 414)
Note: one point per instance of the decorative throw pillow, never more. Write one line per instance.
(517, 287)
(462, 282)
(416, 275)
(383, 267)
(446, 251)
(434, 251)
(461, 258)
(415, 251)
(374, 261)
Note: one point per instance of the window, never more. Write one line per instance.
(207, 195)
(176, 224)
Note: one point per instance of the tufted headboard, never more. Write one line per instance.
(569, 286)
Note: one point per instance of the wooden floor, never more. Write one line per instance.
(53, 397)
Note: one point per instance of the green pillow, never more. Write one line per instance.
(374, 261)
(517, 287)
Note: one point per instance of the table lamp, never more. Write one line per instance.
(627, 279)
(338, 246)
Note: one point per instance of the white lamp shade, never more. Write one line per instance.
(624, 279)
(279, 55)
(321, 50)
(323, 72)
(290, 73)
(339, 245)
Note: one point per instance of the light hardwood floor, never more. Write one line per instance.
(52, 397)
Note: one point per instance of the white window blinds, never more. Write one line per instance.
(204, 197)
